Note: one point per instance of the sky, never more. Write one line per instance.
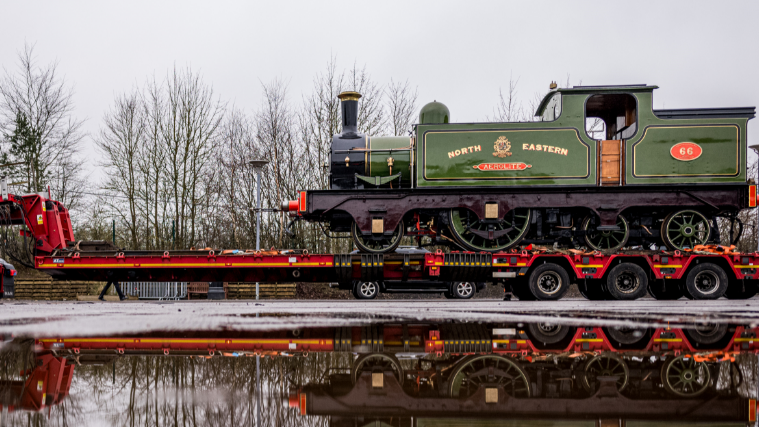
(700, 53)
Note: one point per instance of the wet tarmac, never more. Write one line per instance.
(379, 363)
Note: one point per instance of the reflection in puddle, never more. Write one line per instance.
(386, 374)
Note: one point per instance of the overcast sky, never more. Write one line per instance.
(701, 54)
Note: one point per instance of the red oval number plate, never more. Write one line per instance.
(686, 151)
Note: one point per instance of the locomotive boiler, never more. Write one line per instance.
(599, 168)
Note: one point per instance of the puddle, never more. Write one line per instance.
(386, 373)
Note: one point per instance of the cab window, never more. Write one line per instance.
(611, 116)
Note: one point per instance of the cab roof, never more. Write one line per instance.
(593, 90)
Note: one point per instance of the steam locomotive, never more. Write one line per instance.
(642, 177)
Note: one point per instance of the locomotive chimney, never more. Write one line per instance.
(349, 108)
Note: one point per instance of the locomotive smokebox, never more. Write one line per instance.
(349, 108)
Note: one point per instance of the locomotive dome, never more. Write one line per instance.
(434, 112)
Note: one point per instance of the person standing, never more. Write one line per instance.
(115, 283)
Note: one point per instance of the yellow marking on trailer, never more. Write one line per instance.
(185, 341)
(521, 264)
(589, 340)
(668, 339)
(746, 266)
(508, 341)
(750, 340)
(169, 265)
(589, 265)
(667, 266)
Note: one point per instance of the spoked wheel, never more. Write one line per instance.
(605, 365)
(488, 370)
(685, 229)
(605, 240)
(667, 291)
(476, 235)
(462, 290)
(684, 377)
(377, 362)
(377, 244)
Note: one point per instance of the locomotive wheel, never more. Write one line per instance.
(706, 281)
(668, 291)
(685, 229)
(463, 221)
(377, 362)
(548, 333)
(381, 246)
(549, 282)
(627, 281)
(491, 370)
(605, 365)
(606, 240)
(684, 377)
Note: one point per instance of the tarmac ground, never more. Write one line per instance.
(85, 318)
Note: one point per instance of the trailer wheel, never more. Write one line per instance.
(740, 290)
(665, 291)
(549, 282)
(706, 281)
(706, 335)
(462, 290)
(594, 291)
(366, 290)
(625, 336)
(627, 281)
(548, 333)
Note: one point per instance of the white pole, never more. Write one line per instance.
(258, 216)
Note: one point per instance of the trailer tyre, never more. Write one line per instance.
(462, 290)
(549, 282)
(627, 281)
(741, 290)
(706, 281)
(366, 290)
(666, 291)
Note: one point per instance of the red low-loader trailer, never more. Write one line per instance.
(538, 274)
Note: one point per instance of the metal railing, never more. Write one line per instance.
(156, 290)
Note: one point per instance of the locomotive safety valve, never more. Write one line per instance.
(347, 161)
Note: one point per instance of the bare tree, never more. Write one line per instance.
(509, 108)
(36, 99)
(401, 102)
(120, 141)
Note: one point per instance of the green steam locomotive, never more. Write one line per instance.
(599, 168)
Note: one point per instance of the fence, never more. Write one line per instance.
(156, 290)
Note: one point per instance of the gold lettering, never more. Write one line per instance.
(477, 148)
(451, 154)
(564, 151)
(525, 146)
(458, 152)
(471, 149)
(550, 148)
(463, 150)
(532, 147)
(538, 147)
